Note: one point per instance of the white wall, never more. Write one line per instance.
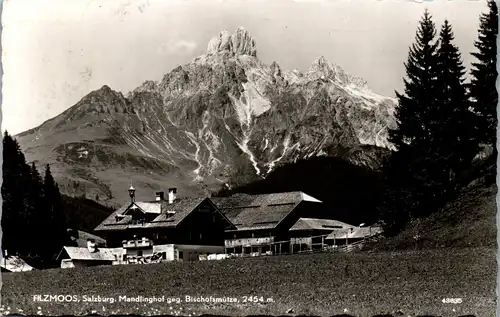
(167, 248)
(67, 263)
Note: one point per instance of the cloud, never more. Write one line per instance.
(178, 47)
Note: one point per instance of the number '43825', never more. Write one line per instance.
(452, 300)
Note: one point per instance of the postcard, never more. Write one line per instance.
(237, 158)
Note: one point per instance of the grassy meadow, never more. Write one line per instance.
(401, 283)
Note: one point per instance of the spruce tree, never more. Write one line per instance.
(16, 176)
(483, 91)
(412, 111)
(54, 213)
(454, 143)
(11, 201)
(35, 210)
(408, 170)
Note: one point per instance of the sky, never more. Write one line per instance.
(54, 52)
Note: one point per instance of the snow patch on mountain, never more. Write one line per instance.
(286, 143)
(196, 155)
(243, 145)
(373, 100)
(266, 144)
(211, 142)
(251, 103)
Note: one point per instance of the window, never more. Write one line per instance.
(181, 255)
(124, 257)
(331, 227)
(139, 253)
(164, 255)
(281, 204)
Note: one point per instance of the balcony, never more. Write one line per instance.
(232, 243)
(133, 244)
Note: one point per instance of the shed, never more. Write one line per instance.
(14, 264)
(353, 234)
(83, 257)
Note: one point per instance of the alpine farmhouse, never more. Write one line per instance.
(203, 228)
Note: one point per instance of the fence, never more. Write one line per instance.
(290, 246)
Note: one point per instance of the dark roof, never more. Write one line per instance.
(266, 211)
(181, 207)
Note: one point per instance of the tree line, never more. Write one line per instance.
(443, 122)
(33, 221)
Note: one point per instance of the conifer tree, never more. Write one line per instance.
(454, 144)
(10, 193)
(408, 169)
(484, 74)
(412, 111)
(16, 174)
(35, 210)
(54, 212)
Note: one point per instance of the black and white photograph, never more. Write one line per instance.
(244, 158)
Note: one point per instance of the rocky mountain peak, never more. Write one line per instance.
(239, 43)
(104, 93)
(275, 69)
(323, 69)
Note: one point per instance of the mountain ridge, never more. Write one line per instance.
(194, 126)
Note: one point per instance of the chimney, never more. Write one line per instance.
(91, 245)
(171, 195)
(160, 196)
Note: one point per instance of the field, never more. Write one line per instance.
(402, 283)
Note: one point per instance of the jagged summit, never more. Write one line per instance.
(326, 70)
(323, 69)
(239, 43)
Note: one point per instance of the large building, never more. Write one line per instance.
(212, 228)
(263, 221)
(182, 221)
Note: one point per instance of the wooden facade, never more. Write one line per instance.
(263, 221)
(184, 222)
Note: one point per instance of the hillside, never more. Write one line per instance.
(205, 120)
(468, 221)
(84, 214)
(349, 193)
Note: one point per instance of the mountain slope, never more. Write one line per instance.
(467, 221)
(192, 128)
